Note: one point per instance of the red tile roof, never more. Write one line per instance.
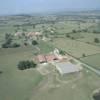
(50, 57)
(46, 58)
(41, 58)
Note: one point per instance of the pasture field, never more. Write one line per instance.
(67, 26)
(71, 87)
(75, 48)
(45, 47)
(22, 85)
(89, 38)
(45, 83)
(93, 60)
(16, 84)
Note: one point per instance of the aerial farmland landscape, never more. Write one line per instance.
(49, 54)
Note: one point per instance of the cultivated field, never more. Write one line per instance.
(89, 38)
(75, 48)
(93, 60)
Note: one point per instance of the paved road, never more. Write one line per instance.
(89, 67)
(92, 69)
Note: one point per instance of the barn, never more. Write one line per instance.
(66, 67)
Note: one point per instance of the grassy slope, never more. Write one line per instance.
(15, 84)
(75, 90)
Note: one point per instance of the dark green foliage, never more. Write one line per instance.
(83, 55)
(25, 44)
(74, 31)
(1, 72)
(5, 45)
(62, 52)
(22, 65)
(96, 96)
(96, 40)
(15, 45)
(72, 38)
(67, 35)
(8, 38)
(34, 42)
(8, 42)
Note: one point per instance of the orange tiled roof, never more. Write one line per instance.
(41, 58)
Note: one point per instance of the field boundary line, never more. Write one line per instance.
(89, 55)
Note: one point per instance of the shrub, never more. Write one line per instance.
(1, 72)
(96, 96)
(15, 45)
(96, 40)
(34, 42)
(67, 35)
(22, 65)
(74, 31)
(62, 52)
(83, 55)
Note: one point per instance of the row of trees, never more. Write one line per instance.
(22, 65)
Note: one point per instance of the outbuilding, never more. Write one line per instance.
(66, 67)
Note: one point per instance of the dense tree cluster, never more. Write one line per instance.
(8, 42)
(22, 65)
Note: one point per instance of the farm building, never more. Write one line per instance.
(66, 67)
(18, 33)
(51, 57)
(34, 35)
(41, 58)
(31, 34)
(46, 58)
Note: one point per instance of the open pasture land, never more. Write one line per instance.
(71, 87)
(89, 38)
(68, 26)
(93, 60)
(16, 84)
(75, 48)
(22, 85)
(45, 47)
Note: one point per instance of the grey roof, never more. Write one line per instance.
(66, 67)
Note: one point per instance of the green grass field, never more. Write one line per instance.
(22, 85)
(89, 38)
(16, 84)
(45, 47)
(30, 84)
(75, 48)
(92, 60)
